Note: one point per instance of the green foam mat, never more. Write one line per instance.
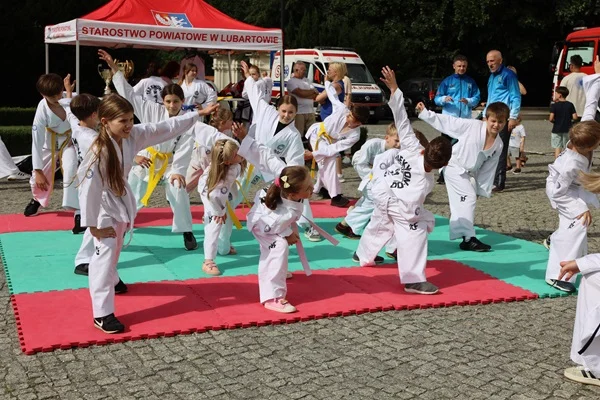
(43, 261)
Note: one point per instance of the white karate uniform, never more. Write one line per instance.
(585, 348)
(41, 155)
(469, 161)
(198, 93)
(400, 186)
(286, 144)
(100, 207)
(215, 205)
(178, 148)
(327, 152)
(7, 165)
(150, 89)
(566, 195)
(270, 227)
(205, 137)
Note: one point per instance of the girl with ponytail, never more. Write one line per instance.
(108, 206)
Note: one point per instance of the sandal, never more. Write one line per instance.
(232, 251)
(210, 268)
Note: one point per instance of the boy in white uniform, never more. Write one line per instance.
(474, 156)
(51, 143)
(402, 178)
(565, 193)
(339, 132)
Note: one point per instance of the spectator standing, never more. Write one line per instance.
(503, 86)
(562, 114)
(574, 83)
(305, 93)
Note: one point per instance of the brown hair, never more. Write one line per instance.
(563, 91)
(84, 105)
(170, 70)
(438, 152)
(50, 85)
(288, 99)
(173, 88)
(585, 135)
(459, 57)
(360, 113)
(152, 69)
(223, 151)
(254, 67)
(294, 176)
(188, 67)
(498, 109)
(111, 107)
(220, 116)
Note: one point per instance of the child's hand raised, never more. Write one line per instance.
(245, 69)
(567, 269)
(103, 55)
(239, 131)
(208, 110)
(69, 86)
(389, 78)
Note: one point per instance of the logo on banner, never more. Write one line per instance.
(176, 20)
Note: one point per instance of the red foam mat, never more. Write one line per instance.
(156, 309)
(63, 220)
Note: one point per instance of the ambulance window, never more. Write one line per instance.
(583, 49)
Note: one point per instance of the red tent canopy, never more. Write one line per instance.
(165, 24)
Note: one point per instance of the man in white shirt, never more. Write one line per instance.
(573, 82)
(305, 93)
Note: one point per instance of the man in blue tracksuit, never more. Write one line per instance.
(503, 86)
(457, 94)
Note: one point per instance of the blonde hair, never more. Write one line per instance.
(340, 69)
(590, 181)
(224, 151)
(109, 167)
(391, 130)
(220, 116)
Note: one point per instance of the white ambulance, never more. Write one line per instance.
(364, 88)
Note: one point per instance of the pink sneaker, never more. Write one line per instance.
(280, 305)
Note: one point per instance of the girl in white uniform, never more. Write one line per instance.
(219, 127)
(156, 161)
(474, 156)
(197, 93)
(215, 188)
(402, 179)
(150, 88)
(275, 129)
(51, 143)
(337, 133)
(566, 195)
(272, 220)
(108, 206)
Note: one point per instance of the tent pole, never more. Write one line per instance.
(77, 66)
(282, 58)
(47, 59)
(229, 66)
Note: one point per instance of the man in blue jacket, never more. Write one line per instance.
(457, 94)
(503, 86)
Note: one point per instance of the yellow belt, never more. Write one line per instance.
(155, 176)
(234, 218)
(54, 137)
(321, 135)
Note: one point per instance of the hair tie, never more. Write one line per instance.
(277, 182)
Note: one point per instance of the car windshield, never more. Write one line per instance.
(358, 73)
(583, 49)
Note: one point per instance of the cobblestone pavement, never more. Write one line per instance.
(496, 351)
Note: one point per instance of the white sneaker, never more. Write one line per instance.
(341, 178)
(19, 176)
(312, 234)
(346, 160)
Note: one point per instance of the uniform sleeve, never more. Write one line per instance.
(485, 175)
(474, 95)
(451, 126)
(90, 191)
(339, 146)
(360, 161)
(257, 101)
(206, 135)
(146, 111)
(38, 136)
(406, 135)
(209, 94)
(514, 95)
(332, 95)
(183, 154)
(591, 87)
(261, 157)
(146, 135)
(294, 153)
(138, 89)
(441, 93)
(589, 263)
(560, 196)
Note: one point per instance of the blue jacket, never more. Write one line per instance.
(503, 86)
(458, 87)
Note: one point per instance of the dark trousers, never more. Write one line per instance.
(500, 178)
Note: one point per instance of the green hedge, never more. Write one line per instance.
(13, 116)
(17, 139)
